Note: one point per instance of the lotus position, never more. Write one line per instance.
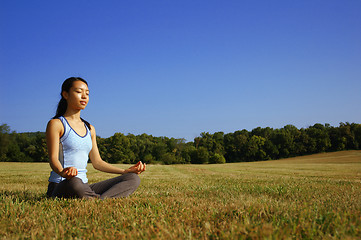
(71, 142)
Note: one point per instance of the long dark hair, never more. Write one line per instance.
(63, 104)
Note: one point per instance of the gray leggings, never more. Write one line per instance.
(121, 186)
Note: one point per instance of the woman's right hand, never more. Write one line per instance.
(69, 172)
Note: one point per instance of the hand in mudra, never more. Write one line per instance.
(137, 168)
(69, 172)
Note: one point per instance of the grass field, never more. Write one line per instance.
(310, 197)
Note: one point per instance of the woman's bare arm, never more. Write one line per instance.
(54, 130)
(103, 166)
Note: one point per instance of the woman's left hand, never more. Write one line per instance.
(137, 168)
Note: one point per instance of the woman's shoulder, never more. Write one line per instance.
(55, 124)
(92, 130)
(55, 121)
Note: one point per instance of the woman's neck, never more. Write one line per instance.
(71, 114)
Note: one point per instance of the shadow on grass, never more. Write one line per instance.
(26, 196)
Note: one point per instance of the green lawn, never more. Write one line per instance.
(311, 197)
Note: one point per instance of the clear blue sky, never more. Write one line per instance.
(179, 68)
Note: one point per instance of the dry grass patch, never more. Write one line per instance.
(310, 197)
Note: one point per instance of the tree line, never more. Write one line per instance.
(240, 146)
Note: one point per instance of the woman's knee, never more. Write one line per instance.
(74, 181)
(134, 178)
(76, 186)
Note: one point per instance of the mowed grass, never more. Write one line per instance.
(310, 197)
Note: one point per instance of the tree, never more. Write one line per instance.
(255, 150)
(200, 156)
(235, 145)
(4, 141)
(357, 133)
(347, 132)
(320, 141)
(187, 152)
(168, 158)
(217, 158)
(259, 144)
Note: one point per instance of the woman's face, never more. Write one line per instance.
(78, 96)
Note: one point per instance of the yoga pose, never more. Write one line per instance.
(71, 142)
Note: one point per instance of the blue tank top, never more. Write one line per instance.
(73, 152)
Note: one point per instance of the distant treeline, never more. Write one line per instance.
(240, 146)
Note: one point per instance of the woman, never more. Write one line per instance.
(71, 141)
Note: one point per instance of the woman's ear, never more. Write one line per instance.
(65, 95)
